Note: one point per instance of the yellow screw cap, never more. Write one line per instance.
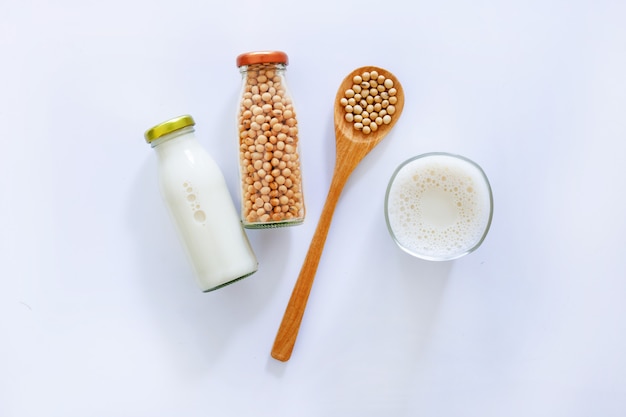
(169, 126)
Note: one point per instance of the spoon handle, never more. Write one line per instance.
(288, 330)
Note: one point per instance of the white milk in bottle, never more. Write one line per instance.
(199, 201)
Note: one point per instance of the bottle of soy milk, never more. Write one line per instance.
(199, 201)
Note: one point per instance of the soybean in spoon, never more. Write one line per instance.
(368, 103)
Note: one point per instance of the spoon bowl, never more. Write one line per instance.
(352, 145)
(345, 130)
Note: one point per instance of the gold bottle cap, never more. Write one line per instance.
(168, 126)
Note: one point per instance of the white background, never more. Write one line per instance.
(99, 312)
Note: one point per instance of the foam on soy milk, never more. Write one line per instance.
(438, 206)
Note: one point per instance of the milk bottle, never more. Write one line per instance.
(198, 199)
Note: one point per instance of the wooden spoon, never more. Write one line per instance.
(351, 147)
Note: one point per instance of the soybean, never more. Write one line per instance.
(369, 103)
(268, 132)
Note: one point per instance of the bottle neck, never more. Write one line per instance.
(186, 132)
(258, 69)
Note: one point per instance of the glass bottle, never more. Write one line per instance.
(269, 154)
(201, 206)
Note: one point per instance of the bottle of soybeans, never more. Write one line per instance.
(270, 172)
(200, 204)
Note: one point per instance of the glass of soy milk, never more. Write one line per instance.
(438, 206)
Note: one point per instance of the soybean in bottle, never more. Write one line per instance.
(268, 138)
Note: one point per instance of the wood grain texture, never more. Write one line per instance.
(351, 147)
